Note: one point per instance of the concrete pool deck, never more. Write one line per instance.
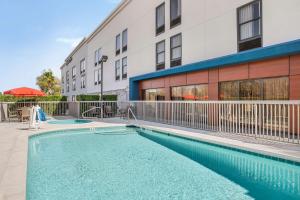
(14, 146)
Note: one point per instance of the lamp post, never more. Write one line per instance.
(103, 60)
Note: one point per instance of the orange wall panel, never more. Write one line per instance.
(295, 65)
(239, 72)
(178, 80)
(213, 91)
(145, 84)
(197, 77)
(213, 76)
(295, 87)
(158, 83)
(269, 68)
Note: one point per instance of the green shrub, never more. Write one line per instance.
(10, 98)
(96, 97)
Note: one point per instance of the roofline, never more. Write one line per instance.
(100, 27)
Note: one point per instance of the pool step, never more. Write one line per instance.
(115, 132)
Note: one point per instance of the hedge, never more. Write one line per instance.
(96, 97)
(10, 98)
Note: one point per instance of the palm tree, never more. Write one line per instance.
(48, 83)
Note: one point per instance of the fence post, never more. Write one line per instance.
(78, 108)
(256, 121)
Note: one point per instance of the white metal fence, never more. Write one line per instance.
(274, 120)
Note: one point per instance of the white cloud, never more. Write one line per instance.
(73, 42)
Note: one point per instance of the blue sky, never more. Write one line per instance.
(39, 34)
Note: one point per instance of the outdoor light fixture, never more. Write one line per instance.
(103, 60)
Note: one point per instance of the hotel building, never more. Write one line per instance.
(191, 50)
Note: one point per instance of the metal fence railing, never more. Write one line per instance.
(274, 120)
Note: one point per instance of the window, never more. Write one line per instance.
(82, 82)
(74, 84)
(190, 93)
(258, 89)
(68, 87)
(176, 50)
(154, 95)
(82, 66)
(117, 68)
(97, 77)
(124, 68)
(73, 98)
(118, 44)
(98, 56)
(62, 79)
(67, 76)
(250, 26)
(160, 19)
(124, 40)
(73, 72)
(160, 55)
(175, 13)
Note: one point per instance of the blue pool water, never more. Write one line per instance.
(128, 163)
(70, 121)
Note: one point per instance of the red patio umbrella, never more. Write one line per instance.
(25, 92)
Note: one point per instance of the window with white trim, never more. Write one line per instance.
(117, 70)
(124, 68)
(160, 55)
(176, 50)
(175, 13)
(118, 44)
(160, 19)
(82, 66)
(124, 40)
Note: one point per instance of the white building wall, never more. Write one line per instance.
(208, 27)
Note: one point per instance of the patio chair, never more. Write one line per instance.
(108, 111)
(25, 114)
(12, 115)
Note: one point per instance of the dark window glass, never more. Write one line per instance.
(160, 55)
(124, 40)
(154, 95)
(118, 44)
(124, 68)
(175, 12)
(160, 19)
(259, 89)
(176, 50)
(190, 93)
(249, 26)
(117, 68)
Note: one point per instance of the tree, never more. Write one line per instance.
(48, 83)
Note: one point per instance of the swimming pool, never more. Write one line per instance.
(130, 163)
(70, 121)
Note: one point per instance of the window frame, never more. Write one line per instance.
(117, 69)
(177, 21)
(82, 71)
(124, 76)
(175, 62)
(118, 49)
(73, 71)
(161, 29)
(124, 47)
(160, 66)
(260, 36)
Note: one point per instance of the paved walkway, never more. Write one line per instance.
(14, 144)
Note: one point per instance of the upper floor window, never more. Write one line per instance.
(175, 12)
(117, 68)
(160, 19)
(176, 50)
(82, 82)
(250, 26)
(124, 40)
(74, 85)
(67, 76)
(74, 72)
(82, 66)
(124, 68)
(118, 44)
(160, 55)
(98, 55)
(62, 79)
(68, 87)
